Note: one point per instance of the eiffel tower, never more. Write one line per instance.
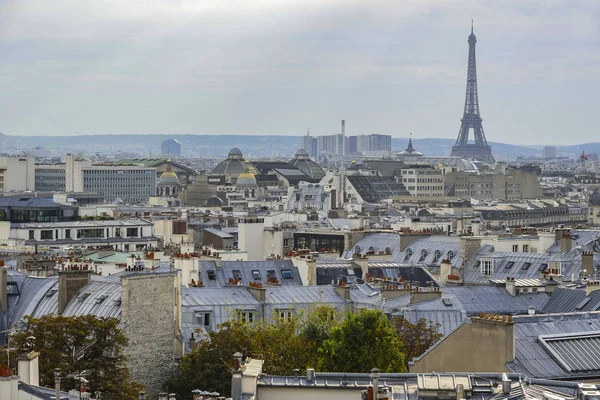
(480, 150)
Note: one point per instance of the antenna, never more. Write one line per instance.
(471, 26)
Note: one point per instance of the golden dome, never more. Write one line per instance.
(246, 175)
(168, 174)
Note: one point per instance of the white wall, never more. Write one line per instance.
(20, 172)
(251, 240)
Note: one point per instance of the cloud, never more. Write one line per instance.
(71, 61)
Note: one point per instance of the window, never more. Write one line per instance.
(437, 255)
(237, 274)
(271, 274)
(118, 232)
(526, 266)
(525, 248)
(286, 314)
(67, 234)
(31, 234)
(509, 264)
(287, 274)
(46, 234)
(543, 267)
(132, 232)
(203, 318)
(256, 274)
(450, 256)
(477, 264)
(486, 267)
(423, 255)
(211, 275)
(286, 242)
(515, 248)
(246, 316)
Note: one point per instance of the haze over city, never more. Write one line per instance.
(277, 68)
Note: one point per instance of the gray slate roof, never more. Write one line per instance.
(571, 300)
(447, 246)
(534, 359)
(246, 268)
(378, 241)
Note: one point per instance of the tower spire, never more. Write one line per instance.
(471, 119)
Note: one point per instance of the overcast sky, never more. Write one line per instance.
(279, 67)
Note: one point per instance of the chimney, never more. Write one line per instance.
(343, 290)
(469, 245)
(236, 378)
(419, 296)
(257, 290)
(551, 285)
(310, 375)
(445, 270)
(393, 290)
(506, 384)
(343, 127)
(4, 288)
(375, 381)
(460, 391)
(592, 286)
(70, 282)
(587, 263)
(511, 286)
(566, 242)
(29, 370)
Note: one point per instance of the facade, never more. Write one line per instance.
(532, 213)
(423, 180)
(125, 235)
(516, 183)
(34, 209)
(170, 147)
(131, 184)
(17, 173)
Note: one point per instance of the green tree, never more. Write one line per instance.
(416, 338)
(317, 324)
(76, 344)
(362, 341)
(209, 365)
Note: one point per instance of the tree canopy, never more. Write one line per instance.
(416, 338)
(362, 341)
(75, 344)
(322, 338)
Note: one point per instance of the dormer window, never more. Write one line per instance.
(423, 255)
(237, 274)
(211, 275)
(487, 267)
(437, 256)
(450, 256)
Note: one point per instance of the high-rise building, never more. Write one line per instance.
(471, 120)
(170, 147)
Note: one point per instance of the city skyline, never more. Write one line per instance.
(275, 68)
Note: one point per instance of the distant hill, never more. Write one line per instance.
(252, 145)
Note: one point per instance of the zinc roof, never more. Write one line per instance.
(378, 241)
(535, 360)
